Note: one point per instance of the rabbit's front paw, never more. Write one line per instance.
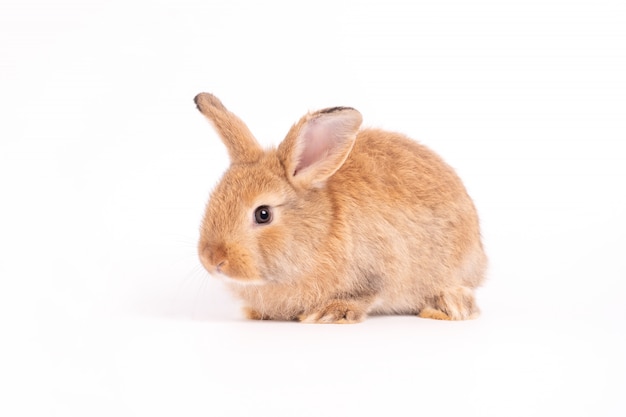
(338, 312)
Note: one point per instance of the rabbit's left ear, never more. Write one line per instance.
(318, 145)
(241, 144)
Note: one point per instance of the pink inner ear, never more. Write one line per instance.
(317, 140)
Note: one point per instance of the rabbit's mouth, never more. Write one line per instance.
(238, 281)
(222, 272)
(228, 261)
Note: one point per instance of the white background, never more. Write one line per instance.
(105, 167)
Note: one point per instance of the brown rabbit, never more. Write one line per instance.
(337, 223)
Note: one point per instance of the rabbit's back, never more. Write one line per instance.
(409, 219)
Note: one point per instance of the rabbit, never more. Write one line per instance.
(338, 223)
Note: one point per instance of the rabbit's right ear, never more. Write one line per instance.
(241, 144)
(318, 145)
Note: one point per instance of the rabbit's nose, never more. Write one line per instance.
(213, 258)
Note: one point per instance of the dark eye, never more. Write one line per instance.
(263, 215)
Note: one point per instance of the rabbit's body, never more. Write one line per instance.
(364, 222)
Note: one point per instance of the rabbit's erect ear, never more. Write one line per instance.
(241, 144)
(318, 145)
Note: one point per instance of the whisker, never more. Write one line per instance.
(204, 285)
(188, 284)
(193, 286)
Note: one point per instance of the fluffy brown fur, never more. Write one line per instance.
(363, 222)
